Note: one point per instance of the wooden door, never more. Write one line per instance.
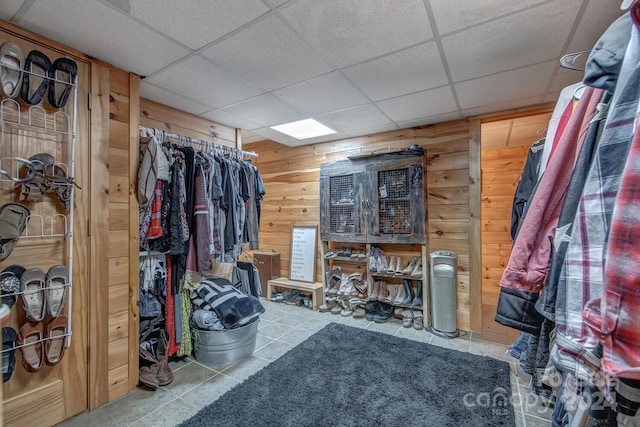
(53, 393)
(505, 145)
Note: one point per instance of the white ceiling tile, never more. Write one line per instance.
(514, 41)
(453, 15)
(322, 94)
(250, 137)
(8, 8)
(373, 130)
(564, 78)
(438, 118)
(363, 116)
(205, 82)
(163, 96)
(595, 21)
(421, 104)
(501, 106)
(102, 32)
(400, 73)
(276, 136)
(268, 54)
(266, 110)
(207, 20)
(230, 120)
(509, 86)
(324, 138)
(351, 31)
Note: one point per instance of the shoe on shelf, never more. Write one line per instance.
(383, 292)
(409, 291)
(375, 291)
(398, 266)
(393, 291)
(407, 318)
(417, 300)
(417, 270)
(409, 268)
(391, 268)
(401, 295)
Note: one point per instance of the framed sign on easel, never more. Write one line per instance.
(304, 240)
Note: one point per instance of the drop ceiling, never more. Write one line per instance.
(357, 66)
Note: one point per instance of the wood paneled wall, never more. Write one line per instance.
(291, 177)
(122, 234)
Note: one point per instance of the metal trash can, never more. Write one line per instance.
(443, 294)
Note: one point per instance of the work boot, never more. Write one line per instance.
(417, 301)
(371, 308)
(385, 313)
(410, 294)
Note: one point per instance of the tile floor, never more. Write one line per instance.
(281, 328)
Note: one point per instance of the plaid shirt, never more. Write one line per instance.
(577, 349)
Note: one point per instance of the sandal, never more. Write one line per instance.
(30, 342)
(56, 342)
(34, 189)
(10, 284)
(56, 290)
(13, 221)
(63, 74)
(11, 61)
(36, 67)
(33, 296)
(9, 344)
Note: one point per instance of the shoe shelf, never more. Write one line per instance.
(37, 154)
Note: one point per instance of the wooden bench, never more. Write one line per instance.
(283, 282)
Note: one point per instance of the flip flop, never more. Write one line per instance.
(56, 290)
(56, 340)
(34, 190)
(36, 78)
(11, 61)
(13, 221)
(63, 74)
(30, 342)
(33, 296)
(9, 343)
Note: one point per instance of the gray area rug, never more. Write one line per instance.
(346, 376)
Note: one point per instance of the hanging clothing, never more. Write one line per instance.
(526, 185)
(576, 348)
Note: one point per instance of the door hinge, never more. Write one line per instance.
(89, 101)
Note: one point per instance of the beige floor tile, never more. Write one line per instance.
(96, 418)
(274, 330)
(169, 415)
(273, 350)
(188, 378)
(247, 367)
(135, 405)
(296, 336)
(210, 390)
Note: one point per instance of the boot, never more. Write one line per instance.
(382, 295)
(375, 291)
(393, 292)
(412, 264)
(401, 296)
(344, 285)
(398, 265)
(385, 313)
(417, 270)
(407, 318)
(410, 294)
(372, 309)
(327, 306)
(391, 268)
(165, 376)
(417, 301)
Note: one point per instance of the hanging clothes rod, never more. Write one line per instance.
(200, 142)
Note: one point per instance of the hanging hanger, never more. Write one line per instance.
(569, 60)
